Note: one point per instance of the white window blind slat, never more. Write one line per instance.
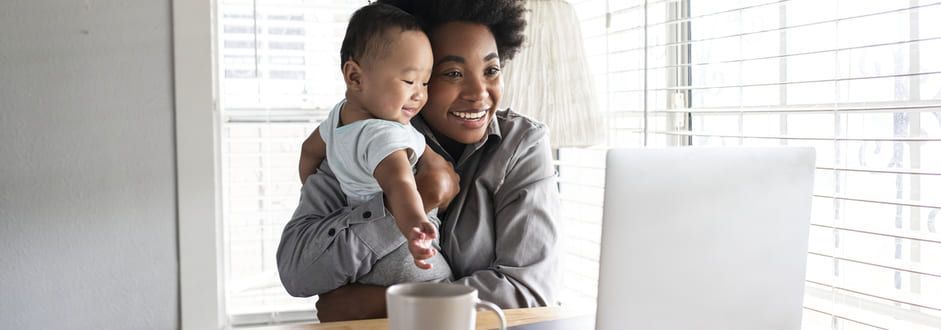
(813, 138)
(927, 41)
(848, 314)
(883, 234)
(906, 269)
(908, 301)
(909, 171)
(844, 318)
(817, 81)
(914, 106)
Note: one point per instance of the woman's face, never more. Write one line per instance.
(466, 82)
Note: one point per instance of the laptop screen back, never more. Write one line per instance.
(705, 238)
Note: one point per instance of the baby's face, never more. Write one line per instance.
(395, 84)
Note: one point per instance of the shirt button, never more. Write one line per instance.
(331, 232)
(367, 214)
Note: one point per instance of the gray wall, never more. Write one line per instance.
(87, 169)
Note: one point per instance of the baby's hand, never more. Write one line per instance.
(419, 243)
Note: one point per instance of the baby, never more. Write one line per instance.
(386, 63)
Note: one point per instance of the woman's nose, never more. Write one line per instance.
(474, 90)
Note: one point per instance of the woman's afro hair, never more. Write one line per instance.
(505, 18)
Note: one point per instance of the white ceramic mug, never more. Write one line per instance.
(435, 306)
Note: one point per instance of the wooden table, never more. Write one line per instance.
(485, 320)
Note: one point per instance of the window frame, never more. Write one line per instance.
(202, 293)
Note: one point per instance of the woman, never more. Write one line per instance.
(498, 233)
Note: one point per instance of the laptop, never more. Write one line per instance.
(702, 238)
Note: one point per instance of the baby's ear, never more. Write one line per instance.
(353, 75)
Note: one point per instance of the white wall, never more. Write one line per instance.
(87, 179)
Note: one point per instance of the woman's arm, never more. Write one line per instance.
(352, 302)
(307, 272)
(524, 272)
(328, 244)
(327, 241)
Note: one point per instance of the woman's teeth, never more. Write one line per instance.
(470, 115)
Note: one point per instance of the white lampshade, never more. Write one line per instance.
(549, 78)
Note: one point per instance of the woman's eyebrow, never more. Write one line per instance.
(460, 60)
(451, 58)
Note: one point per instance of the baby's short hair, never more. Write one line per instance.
(365, 33)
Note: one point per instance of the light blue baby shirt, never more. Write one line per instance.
(356, 149)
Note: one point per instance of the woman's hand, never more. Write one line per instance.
(436, 180)
(352, 302)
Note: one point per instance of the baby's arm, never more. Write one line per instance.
(313, 151)
(394, 174)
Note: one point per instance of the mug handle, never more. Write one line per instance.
(481, 304)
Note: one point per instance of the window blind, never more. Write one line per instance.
(278, 69)
(615, 70)
(860, 81)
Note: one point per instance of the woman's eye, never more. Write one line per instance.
(492, 71)
(410, 82)
(453, 74)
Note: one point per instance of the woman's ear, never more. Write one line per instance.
(353, 75)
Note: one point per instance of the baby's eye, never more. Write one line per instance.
(424, 84)
(410, 82)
